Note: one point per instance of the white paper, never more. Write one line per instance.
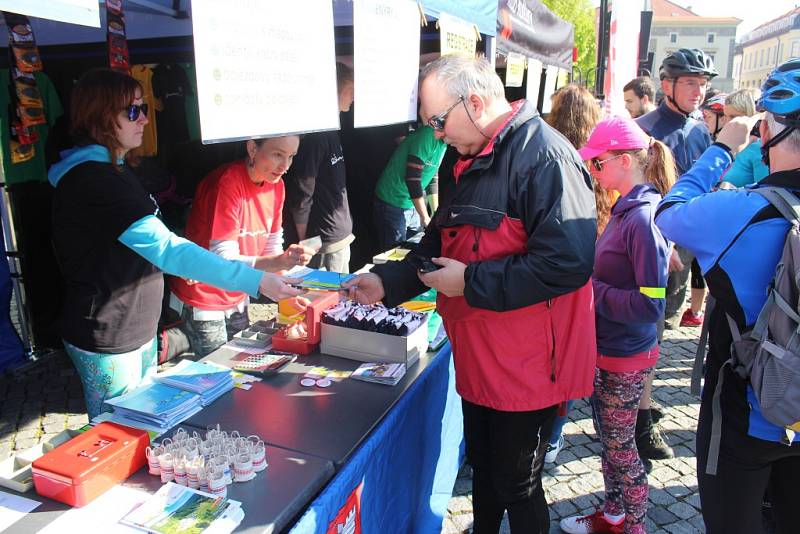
(534, 79)
(83, 12)
(623, 54)
(386, 37)
(264, 68)
(102, 514)
(13, 508)
(550, 79)
(457, 36)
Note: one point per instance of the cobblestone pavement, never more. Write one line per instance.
(574, 485)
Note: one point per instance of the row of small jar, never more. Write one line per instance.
(210, 464)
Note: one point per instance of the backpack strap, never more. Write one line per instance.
(700, 354)
(785, 202)
(716, 422)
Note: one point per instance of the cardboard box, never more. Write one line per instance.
(15, 471)
(364, 346)
(81, 469)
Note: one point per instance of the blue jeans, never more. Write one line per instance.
(558, 424)
(392, 223)
(207, 336)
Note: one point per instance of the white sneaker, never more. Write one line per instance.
(553, 449)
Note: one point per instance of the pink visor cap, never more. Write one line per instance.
(614, 133)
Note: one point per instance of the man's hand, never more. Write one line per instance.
(736, 134)
(365, 288)
(295, 255)
(277, 287)
(449, 280)
(675, 263)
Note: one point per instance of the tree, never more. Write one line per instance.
(582, 15)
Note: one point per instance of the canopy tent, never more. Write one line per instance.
(529, 28)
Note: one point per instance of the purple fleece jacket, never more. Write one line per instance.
(631, 254)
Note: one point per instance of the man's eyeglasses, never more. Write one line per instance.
(694, 84)
(134, 110)
(437, 121)
(598, 163)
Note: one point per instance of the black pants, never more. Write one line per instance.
(506, 451)
(731, 499)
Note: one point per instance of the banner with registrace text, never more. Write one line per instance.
(84, 12)
(386, 40)
(457, 37)
(264, 68)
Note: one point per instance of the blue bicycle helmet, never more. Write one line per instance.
(780, 94)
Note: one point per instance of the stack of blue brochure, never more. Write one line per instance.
(155, 405)
(208, 381)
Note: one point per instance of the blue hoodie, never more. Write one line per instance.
(630, 275)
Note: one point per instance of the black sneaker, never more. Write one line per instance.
(656, 412)
(652, 445)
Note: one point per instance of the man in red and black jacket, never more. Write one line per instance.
(515, 247)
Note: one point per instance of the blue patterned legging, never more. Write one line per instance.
(105, 376)
(615, 404)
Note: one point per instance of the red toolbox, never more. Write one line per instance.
(81, 469)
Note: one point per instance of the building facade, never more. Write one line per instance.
(676, 27)
(765, 48)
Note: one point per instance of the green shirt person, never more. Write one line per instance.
(400, 191)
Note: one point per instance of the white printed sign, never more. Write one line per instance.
(264, 68)
(386, 36)
(457, 36)
(534, 79)
(550, 79)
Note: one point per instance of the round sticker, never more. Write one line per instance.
(324, 382)
(307, 382)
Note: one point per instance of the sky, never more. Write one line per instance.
(741, 9)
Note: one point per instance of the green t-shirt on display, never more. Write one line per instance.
(35, 169)
(391, 187)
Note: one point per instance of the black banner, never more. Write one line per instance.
(527, 27)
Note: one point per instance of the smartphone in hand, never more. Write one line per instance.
(423, 265)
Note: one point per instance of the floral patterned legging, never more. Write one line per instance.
(615, 404)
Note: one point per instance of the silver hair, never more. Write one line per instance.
(776, 127)
(464, 76)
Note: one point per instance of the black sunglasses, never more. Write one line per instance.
(134, 110)
(437, 121)
(598, 163)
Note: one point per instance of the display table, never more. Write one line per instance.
(385, 457)
(270, 501)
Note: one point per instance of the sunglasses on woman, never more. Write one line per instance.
(598, 163)
(134, 110)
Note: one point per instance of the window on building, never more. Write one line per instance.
(673, 37)
(795, 49)
(710, 38)
(761, 59)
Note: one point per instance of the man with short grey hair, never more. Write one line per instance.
(510, 255)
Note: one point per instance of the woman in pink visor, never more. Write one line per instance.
(629, 280)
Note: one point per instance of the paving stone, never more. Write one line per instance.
(25, 443)
(563, 509)
(27, 433)
(681, 527)
(459, 505)
(661, 516)
(661, 497)
(682, 510)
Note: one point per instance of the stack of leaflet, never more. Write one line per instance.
(176, 508)
(380, 373)
(208, 381)
(156, 406)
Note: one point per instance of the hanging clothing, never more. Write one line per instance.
(144, 75)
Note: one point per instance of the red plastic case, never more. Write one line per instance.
(81, 469)
(313, 317)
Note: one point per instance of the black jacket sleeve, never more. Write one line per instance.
(400, 280)
(555, 202)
